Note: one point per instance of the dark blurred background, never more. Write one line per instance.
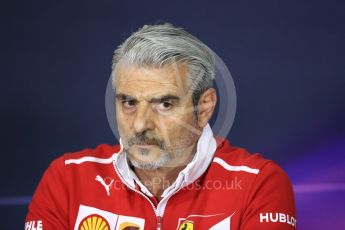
(286, 57)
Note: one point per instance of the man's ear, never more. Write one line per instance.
(206, 105)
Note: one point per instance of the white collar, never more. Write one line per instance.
(206, 148)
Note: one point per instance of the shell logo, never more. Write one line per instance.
(94, 222)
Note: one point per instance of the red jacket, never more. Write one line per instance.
(230, 188)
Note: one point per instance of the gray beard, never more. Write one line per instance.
(163, 160)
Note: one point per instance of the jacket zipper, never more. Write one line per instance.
(159, 222)
(159, 218)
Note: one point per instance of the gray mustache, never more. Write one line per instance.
(142, 139)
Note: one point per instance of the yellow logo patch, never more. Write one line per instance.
(94, 222)
(129, 226)
(186, 225)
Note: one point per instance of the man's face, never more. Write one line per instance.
(154, 112)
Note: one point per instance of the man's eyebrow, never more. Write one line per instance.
(164, 98)
(122, 96)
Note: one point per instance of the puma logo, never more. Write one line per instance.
(106, 186)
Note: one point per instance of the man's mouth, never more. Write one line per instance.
(144, 145)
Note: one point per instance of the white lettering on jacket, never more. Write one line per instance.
(277, 217)
(34, 225)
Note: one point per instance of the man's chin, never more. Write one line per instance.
(146, 165)
(148, 161)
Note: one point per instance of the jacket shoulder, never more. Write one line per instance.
(227, 154)
(100, 151)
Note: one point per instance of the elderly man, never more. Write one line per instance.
(169, 171)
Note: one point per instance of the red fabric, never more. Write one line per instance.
(250, 201)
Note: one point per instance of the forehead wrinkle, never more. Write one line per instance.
(150, 98)
(149, 81)
(174, 72)
(135, 86)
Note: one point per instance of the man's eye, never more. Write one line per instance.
(165, 106)
(129, 104)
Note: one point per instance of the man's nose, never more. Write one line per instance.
(143, 118)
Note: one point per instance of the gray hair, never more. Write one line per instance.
(158, 45)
